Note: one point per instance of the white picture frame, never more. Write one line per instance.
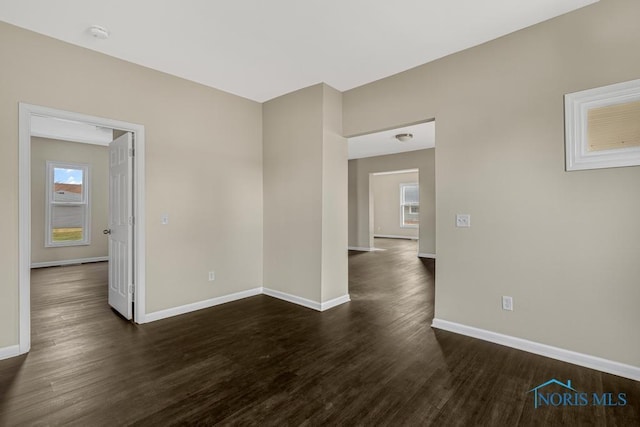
(578, 156)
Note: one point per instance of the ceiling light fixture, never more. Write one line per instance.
(404, 137)
(99, 32)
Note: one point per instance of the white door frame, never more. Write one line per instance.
(26, 111)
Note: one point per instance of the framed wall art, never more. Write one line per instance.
(602, 127)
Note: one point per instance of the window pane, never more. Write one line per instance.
(410, 205)
(410, 215)
(67, 185)
(67, 223)
(410, 194)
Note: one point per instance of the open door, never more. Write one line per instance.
(121, 225)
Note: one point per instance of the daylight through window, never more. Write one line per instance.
(67, 204)
(409, 205)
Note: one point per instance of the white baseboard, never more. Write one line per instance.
(355, 248)
(292, 298)
(306, 302)
(588, 361)
(426, 255)
(335, 302)
(359, 248)
(174, 311)
(183, 309)
(391, 236)
(68, 262)
(11, 351)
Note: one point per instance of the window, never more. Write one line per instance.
(409, 205)
(67, 216)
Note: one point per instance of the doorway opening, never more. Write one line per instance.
(392, 207)
(410, 207)
(395, 205)
(134, 273)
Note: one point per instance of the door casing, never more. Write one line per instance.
(26, 111)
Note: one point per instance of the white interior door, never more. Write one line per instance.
(121, 225)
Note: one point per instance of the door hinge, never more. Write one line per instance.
(131, 289)
(131, 220)
(132, 152)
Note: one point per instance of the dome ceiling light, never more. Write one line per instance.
(404, 137)
(99, 32)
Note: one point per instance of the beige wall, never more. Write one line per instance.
(97, 156)
(335, 261)
(561, 244)
(361, 226)
(293, 193)
(387, 214)
(305, 200)
(203, 167)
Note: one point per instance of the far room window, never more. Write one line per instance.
(67, 216)
(409, 205)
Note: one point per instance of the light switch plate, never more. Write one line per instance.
(164, 219)
(463, 220)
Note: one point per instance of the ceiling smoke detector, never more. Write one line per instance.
(99, 32)
(404, 137)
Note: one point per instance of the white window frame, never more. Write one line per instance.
(86, 240)
(403, 204)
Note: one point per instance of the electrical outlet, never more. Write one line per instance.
(507, 303)
(463, 220)
(212, 276)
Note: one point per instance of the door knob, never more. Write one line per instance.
(107, 231)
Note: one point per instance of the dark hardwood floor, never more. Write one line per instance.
(261, 361)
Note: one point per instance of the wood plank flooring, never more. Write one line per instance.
(261, 361)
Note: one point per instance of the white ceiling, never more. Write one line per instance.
(385, 142)
(261, 49)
